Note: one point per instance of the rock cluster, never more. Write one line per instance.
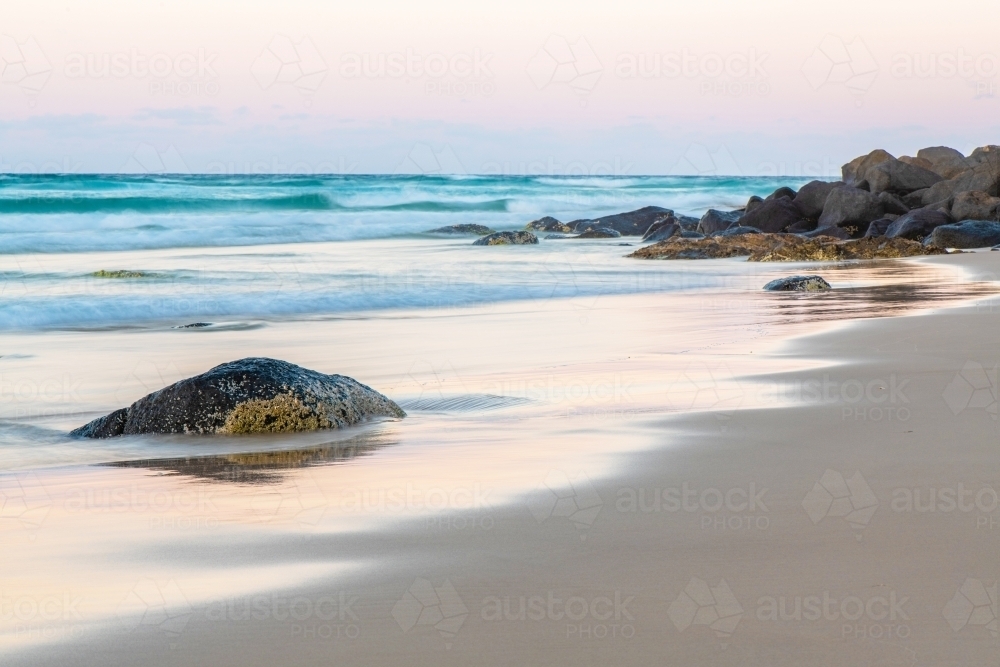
(784, 248)
(632, 223)
(879, 196)
(254, 395)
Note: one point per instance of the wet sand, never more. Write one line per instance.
(716, 477)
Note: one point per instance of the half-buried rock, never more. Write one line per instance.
(254, 395)
(507, 238)
(798, 284)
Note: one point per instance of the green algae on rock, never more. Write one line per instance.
(120, 274)
(784, 248)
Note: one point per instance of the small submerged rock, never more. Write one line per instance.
(120, 274)
(478, 230)
(507, 238)
(798, 284)
(194, 325)
(254, 395)
(549, 224)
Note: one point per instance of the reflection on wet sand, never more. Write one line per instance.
(262, 467)
(925, 286)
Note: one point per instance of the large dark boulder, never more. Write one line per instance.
(811, 197)
(849, 205)
(965, 234)
(633, 223)
(899, 177)
(917, 224)
(772, 215)
(507, 238)
(715, 220)
(975, 205)
(944, 161)
(752, 203)
(255, 395)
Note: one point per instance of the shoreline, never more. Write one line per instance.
(531, 549)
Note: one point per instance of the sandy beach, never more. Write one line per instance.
(719, 477)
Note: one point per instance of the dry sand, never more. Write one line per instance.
(814, 557)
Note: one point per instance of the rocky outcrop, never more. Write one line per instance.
(982, 175)
(917, 224)
(798, 284)
(975, 206)
(507, 238)
(549, 224)
(478, 230)
(784, 248)
(715, 221)
(965, 234)
(772, 215)
(255, 395)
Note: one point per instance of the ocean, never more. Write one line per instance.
(239, 248)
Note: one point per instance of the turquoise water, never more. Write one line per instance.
(249, 249)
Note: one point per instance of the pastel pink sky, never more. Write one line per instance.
(711, 86)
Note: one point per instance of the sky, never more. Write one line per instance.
(769, 87)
